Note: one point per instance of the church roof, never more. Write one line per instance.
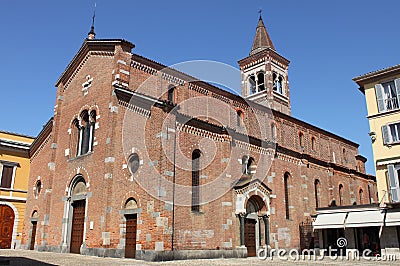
(261, 39)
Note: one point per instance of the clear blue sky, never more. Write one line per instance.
(327, 42)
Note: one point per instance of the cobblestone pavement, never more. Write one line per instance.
(25, 257)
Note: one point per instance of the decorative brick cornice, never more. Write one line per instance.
(199, 89)
(172, 79)
(203, 133)
(144, 68)
(254, 148)
(136, 109)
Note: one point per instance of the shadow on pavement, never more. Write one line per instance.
(20, 261)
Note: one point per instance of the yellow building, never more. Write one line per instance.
(382, 93)
(14, 175)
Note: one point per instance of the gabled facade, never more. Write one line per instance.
(142, 161)
(14, 175)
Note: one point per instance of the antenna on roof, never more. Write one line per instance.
(91, 33)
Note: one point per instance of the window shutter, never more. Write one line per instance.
(6, 177)
(379, 97)
(385, 134)
(397, 82)
(393, 184)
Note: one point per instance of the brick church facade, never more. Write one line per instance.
(144, 161)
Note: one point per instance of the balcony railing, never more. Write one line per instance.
(392, 103)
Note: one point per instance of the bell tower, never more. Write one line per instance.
(264, 73)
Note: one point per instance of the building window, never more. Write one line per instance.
(286, 189)
(388, 95)
(256, 85)
(301, 140)
(85, 132)
(260, 81)
(313, 144)
(38, 188)
(171, 90)
(317, 188)
(360, 195)
(133, 163)
(252, 84)
(393, 174)
(340, 194)
(196, 181)
(344, 155)
(391, 133)
(278, 83)
(7, 175)
(239, 118)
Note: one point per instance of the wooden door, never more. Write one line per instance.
(250, 237)
(78, 219)
(6, 226)
(33, 237)
(130, 238)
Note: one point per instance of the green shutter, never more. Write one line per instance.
(379, 97)
(393, 183)
(385, 134)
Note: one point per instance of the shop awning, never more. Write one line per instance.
(329, 220)
(364, 219)
(392, 219)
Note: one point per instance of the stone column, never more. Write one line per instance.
(241, 219)
(266, 227)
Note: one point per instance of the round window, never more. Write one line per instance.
(133, 162)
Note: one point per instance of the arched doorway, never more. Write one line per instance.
(254, 222)
(34, 220)
(131, 228)
(78, 199)
(7, 217)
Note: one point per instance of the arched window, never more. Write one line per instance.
(286, 189)
(313, 144)
(239, 118)
(317, 188)
(171, 90)
(301, 140)
(86, 132)
(360, 195)
(278, 83)
(252, 84)
(273, 132)
(75, 137)
(340, 194)
(260, 81)
(196, 181)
